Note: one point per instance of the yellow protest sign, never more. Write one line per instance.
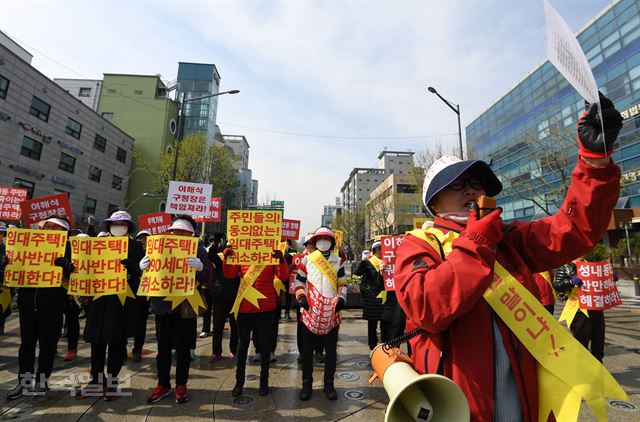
(168, 273)
(254, 235)
(31, 254)
(98, 271)
(418, 222)
(339, 234)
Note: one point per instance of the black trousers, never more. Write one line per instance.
(114, 362)
(274, 327)
(259, 324)
(219, 312)
(372, 332)
(590, 330)
(330, 343)
(174, 332)
(72, 323)
(206, 316)
(318, 345)
(141, 314)
(41, 327)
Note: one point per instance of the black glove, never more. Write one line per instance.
(126, 263)
(3, 262)
(302, 303)
(339, 305)
(66, 265)
(590, 130)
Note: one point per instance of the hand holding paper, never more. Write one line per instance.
(592, 144)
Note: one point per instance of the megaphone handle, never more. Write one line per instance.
(404, 338)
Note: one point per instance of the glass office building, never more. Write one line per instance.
(196, 80)
(528, 135)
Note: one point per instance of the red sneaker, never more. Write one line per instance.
(182, 395)
(158, 394)
(70, 355)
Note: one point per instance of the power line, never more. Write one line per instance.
(280, 132)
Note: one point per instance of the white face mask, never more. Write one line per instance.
(118, 230)
(323, 245)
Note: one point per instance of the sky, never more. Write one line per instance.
(324, 85)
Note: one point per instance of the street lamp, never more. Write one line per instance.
(456, 110)
(181, 123)
(625, 226)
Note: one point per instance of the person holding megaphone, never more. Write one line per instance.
(445, 274)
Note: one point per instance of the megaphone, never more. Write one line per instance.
(414, 397)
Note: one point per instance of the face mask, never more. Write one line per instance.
(118, 230)
(323, 245)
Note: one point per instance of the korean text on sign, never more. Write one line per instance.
(253, 236)
(291, 229)
(98, 268)
(339, 234)
(168, 273)
(214, 212)
(36, 210)
(598, 291)
(10, 199)
(155, 223)
(31, 255)
(188, 198)
(389, 246)
(321, 317)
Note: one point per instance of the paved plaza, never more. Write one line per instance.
(210, 384)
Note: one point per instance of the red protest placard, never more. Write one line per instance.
(598, 291)
(290, 229)
(296, 260)
(155, 223)
(214, 212)
(389, 246)
(38, 209)
(10, 199)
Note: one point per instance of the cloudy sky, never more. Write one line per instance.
(325, 86)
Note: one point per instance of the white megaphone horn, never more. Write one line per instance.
(414, 397)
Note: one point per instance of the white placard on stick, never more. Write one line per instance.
(188, 198)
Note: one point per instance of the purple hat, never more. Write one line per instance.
(118, 216)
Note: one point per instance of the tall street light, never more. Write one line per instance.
(456, 110)
(181, 123)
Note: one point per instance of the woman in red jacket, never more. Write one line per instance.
(257, 320)
(441, 287)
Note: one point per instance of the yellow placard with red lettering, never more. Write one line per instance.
(254, 235)
(31, 255)
(98, 268)
(168, 273)
(419, 221)
(339, 234)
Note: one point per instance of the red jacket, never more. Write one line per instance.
(546, 291)
(264, 284)
(445, 297)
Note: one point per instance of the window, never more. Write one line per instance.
(121, 155)
(40, 109)
(31, 148)
(57, 191)
(94, 174)
(116, 182)
(73, 128)
(4, 87)
(67, 163)
(84, 92)
(90, 206)
(107, 116)
(100, 143)
(25, 184)
(112, 208)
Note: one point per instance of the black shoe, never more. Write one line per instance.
(16, 392)
(237, 389)
(305, 393)
(264, 387)
(40, 389)
(330, 392)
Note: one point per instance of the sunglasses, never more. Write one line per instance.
(460, 184)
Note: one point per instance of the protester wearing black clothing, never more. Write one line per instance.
(140, 308)
(587, 329)
(3, 262)
(109, 322)
(172, 330)
(40, 311)
(223, 293)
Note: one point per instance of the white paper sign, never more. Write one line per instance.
(565, 53)
(188, 198)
